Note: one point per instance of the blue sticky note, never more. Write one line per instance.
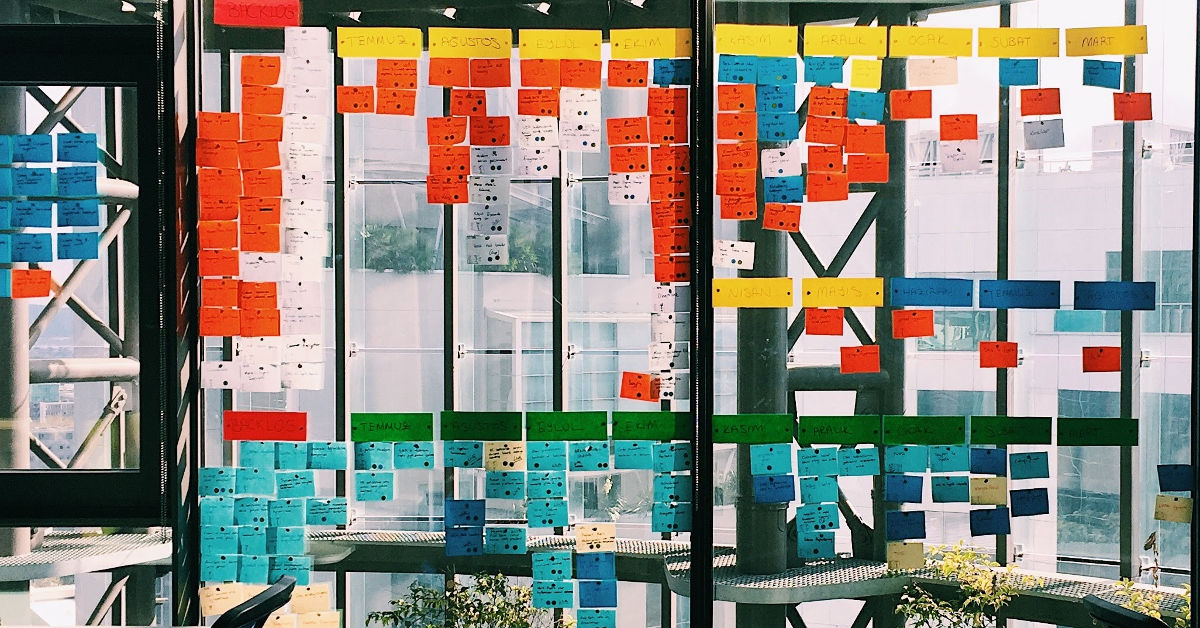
(218, 539)
(949, 489)
(672, 488)
(292, 455)
(783, 189)
(737, 69)
(252, 539)
(823, 70)
(596, 566)
(595, 618)
(546, 455)
(553, 594)
(1102, 73)
(590, 455)
(253, 453)
(285, 540)
(5, 282)
(672, 457)
(775, 98)
(546, 484)
(1022, 294)
(504, 485)
(296, 484)
(1114, 295)
(1029, 502)
(1029, 465)
(778, 127)
(5, 250)
(772, 459)
(251, 511)
(902, 488)
(906, 291)
(217, 481)
(32, 247)
(862, 105)
(6, 184)
(989, 521)
(504, 540)
(32, 148)
(905, 459)
(31, 214)
(551, 565)
(79, 213)
(1018, 72)
(858, 461)
(6, 209)
(1175, 477)
(374, 486)
(546, 513)
(78, 147)
(672, 71)
(464, 454)
(776, 71)
(286, 512)
(218, 567)
(949, 458)
(32, 182)
(373, 456)
(464, 512)
(6, 149)
(815, 545)
(255, 481)
(254, 569)
(816, 518)
(903, 525)
(818, 490)
(77, 181)
(633, 454)
(326, 455)
(413, 455)
(988, 460)
(326, 511)
(598, 593)
(817, 461)
(671, 517)
(297, 567)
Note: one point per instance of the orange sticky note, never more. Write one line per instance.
(255, 155)
(265, 183)
(828, 102)
(823, 322)
(261, 69)
(262, 99)
(821, 130)
(627, 131)
(827, 186)
(218, 263)
(258, 127)
(1133, 106)
(468, 102)
(396, 102)
(735, 97)
(671, 240)
(628, 159)
(962, 126)
(670, 187)
(639, 386)
(670, 214)
(537, 102)
(864, 359)
(1101, 359)
(452, 130)
(628, 73)
(449, 159)
(540, 73)
(219, 292)
(217, 234)
(260, 238)
(670, 159)
(911, 104)
(672, 268)
(667, 101)
(489, 130)
(219, 322)
(450, 72)
(446, 189)
(1040, 102)
(257, 295)
(218, 207)
(824, 158)
(29, 283)
(998, 355)
(737, 156)
(254, 210)
(260, 322)
(668, 130)
(214, 125)
(868, 168)
(739, 207)
(355, 99)
(736, 182)
(866, 139)
(781, 217)
(580, 73)
(737, 126)
(396, 73)
(219, 182)
(216, 153)
(912, 323)
(491, 73)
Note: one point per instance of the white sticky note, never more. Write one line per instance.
(488, 190)
(301, 348)
(308, 184)
(931, 72)
(959, 156)
(312, 598)
(579, 105)
(309, 294)
(580, 136)
(306, 99)
(629, 189)
(487, 249)
(306, 41)
(487, 218)
(782, 162)
(305, 214)
(261, 266)
(262, 349)
(300, 267)
(1043, 134)
(665, 356)
(315, 71)
(300, 321)
(219, 374)
(261, 377)
(489, 160)
(733, 254)
(538, 163)
(303, 375)
(534, 131)
(311, 242)
(302, 127)
(304, 156)
(663, 327)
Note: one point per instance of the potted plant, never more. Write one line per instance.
(491, 601)
(977, 590)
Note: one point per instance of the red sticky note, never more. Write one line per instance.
(396, 102)
(1101, 359)
(219, 292)
(217, 234)
(670, 214)
(737, 156)
(259, 322)
(822, 130)
(739, 207)
(671, 240)
(216, 153)
(628, 159)
(823, 322)
(824, 158)
(627, 131)
(864, 359)
(962, 126)
(266, 183)
(672, 268)
(828, 102)
(261, 69)
(1040, 102)
(355, 99)
(449, 159)
(255, 155)
(670, 159)
(446, 189)
(639, 386)
(450, 72)
(452, 130)
(218, 263)
(218, 207)
(490, 73)
(219, 182)
(260, 239)
(468, 102)
(737, 126)
(214, 125)
(489, 130)
(396, 73)
(1132, 106)
(540, 73)
(254, 210)
(628, 73)
(866, 139)
(670, 187)
(263, 425)
(668, 130)
(537, 102)
(911, 104)
(29, 283)
(912, 323)
(827, 186)
(667, 101)
(257, 295)
(258, 127)
(262, 99)
(736, 182)
(220, 322)
(868, 168)
(998, 355)
(735, 97)
(580, 73)
(781, 217)
(257, 13)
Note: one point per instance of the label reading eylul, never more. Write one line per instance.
(540, 426)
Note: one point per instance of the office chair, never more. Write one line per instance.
(255, 612)
(1112, 615)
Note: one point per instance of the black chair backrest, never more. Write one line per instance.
(1116, 616)
(256, 610)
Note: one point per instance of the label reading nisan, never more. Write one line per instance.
(753, 292)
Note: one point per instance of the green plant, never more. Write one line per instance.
(1185, 610)
(491, 601)
(981, 590)
(1140, 600)
(397, 248)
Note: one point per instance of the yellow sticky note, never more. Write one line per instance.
(559, 44)
(1106, 40)
(282, 620)
(845, 41)
(596, 537)
(754, 39)
(218, 598)
(470, 43)
(989, 491)
(839, 292)
(753, 292)
(1016, 43)
(650, 43)
(919, 41)
(380, 43)
(311, 598)
(866, 73)
(905, 555)
(1171, 508)
(504, 455)
(321, 619)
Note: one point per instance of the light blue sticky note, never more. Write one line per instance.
(1029, 502)
(296, 484)
(254, 569)
(546, 513)
(737, 68)
(858, 461)
(773, 459)
(821, 489)
(774, 489)
(6, 209)
(5, 250)
(988, 460)
(546, 484)
(823, 70)
(297, 567)
(79, 213)
(596, 566)
(6, 182)
(672, 488)
(464, 512)
(374, 486)
(327, 455)
(989, 521)
(78, 147)
(783, 189)
(775, 98)
(590, 455)
(255, 481)
(598, 593)
(32, 182)
(776, 71)
(504, 540)
(1102, 73)
(413, 455)
(6, 150)
(817, 461)
(904, 525)
(1029, 465)
(292, 455)
(1114, 295)
(218, 539)
(218, 567)
(862, 105)
(77, 181)
(902, 488)
(553, 594)
(286, 512)
(464, 454)
(1018, 72)
(32, 148)
(778, 127)
(372, 456)
(906, 459)
(633, 454)
(326, 511)
(253, 453)
(32, 214)
(595, 618)
(546, 455)
(672, 71)
(285, 540)
(504, 485)
(217, 481)
(817, 518)
(464, 541)
(251, 511)
(252, 539)
(551, 565)
(949, 458)
(672, 457)
(948, 489)
(815, 545)
(5, 282)
(671, 517)
(32, 247)
(1015, 293)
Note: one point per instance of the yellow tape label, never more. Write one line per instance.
(559, 44)
(1106, 40)
(753, 39)
(379, 43)
(845, 41)
(917, 41)
(1017, 43)
(838, 292)
(470, 43)
(753, 292)
(650, 43)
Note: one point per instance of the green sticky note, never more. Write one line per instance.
(391, 426)
(753, 428)
(1010, 430)
(924, 430)
(651, 426)
(481, 425)
(541, 426)
(839, 430)
(1097, 432)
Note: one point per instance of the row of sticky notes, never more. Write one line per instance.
(263, 183)
(259, 154)
(218, 598)
(39, 247)
(221, 510)
(250, 127)
(38, 148)
(260, 321)
(68, 181)
(252, 539)
(866, 359)
(496, 43)
(20, 214)
(254, 569)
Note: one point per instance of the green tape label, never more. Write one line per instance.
(651, 426)
(391, 426)
(481, 426)
(838, 430)
(753, 428)
(566, 425)
(1097, 432)
(924, 430)
(1010, 430)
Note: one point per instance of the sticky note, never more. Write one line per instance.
(218, 539)
(911, 104)
(254, 569)
(770, 459)
(286, 512)
(825, 130)
(866, 73)
(988, 460)
(1131, 107)
(32, 247)
(546, 455)
(326, 511)
(265, 425)
(552, 565)
(255, 481)
(1040, 102)
(989, 491)
(768, 292)
(553, 594)
(1102, 359)
(1014, 72)
(1106, 40)
(866, 105)
(464, 541)
(902, 488)
(216, 599)
(932, 72)
(256, 454)
(78, 213)
(377, 42)
(633, 454)
(32, 182)
(774, 488)
(218, 567)
(326, 455)
(950, 488)
(964, 126)
(285, 540)
(845, 41)
(1018, 42)
(28, 284)
(1173, 508)
(816, 461)
(819, 489)
(776, 71)
(312, 598)
(463, 454)
(504, 485)
(5, 282)
(949, 458)
(291, 455)
(823, 322)
(823, 70)
(31, 214)
(671, 517)
(250, 511)
(858, 461)
(1175, 477)
(5, 254)
(1102, 73)
(588, 456)
(596, 566)
(374, 486)
(903, 525)
(815, 545)
(862, 359)
(754, 39)
(672, 457)
(1114, 295)
(1029, 465)
(597, 593)
(778, 217)
(816, 518)
(905, 459)
(989, 521)
(1030, 502)
(905, 555)
(32, 148)
(908, 41)
(775, 98)
(504, 455)
(595, 537)
(295, 484)
(672, 72)
(1023, 294)
(505, 540)
(217, 481)
(778, 127)
(650, 43)
(912, 323)
(595, 618)
(672, 488)
(736, 68)
(464, 512)
(1044, 134)
(546, 513)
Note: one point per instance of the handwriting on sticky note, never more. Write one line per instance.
(213, 125)
(864, 359)
(997, 355)
(1132, 106)
(1102, 359)
(989, 491)
(639, 386)
(741, 208)
(867, 168)
(261, 69)
(1010, 43)
(912, 323)
(504, 455)
(1173, 508)
(1107, 40)
(932, 72)
(905, 555)
(823, 322)
(845, 41)
(595, 537)
(911, 104)
(1040, 102)
(963, 126)
(540, 73)
(490, 73)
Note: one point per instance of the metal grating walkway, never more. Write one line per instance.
(64, 554)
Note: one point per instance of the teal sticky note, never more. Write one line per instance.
(551, 565)
(672, 457)
(815, 545)
(374, 486)
(737, 68)
(770, 459)
(253, 453)
(598, 593)
(906, 459)
(672, 516)
(595, 617)
(32, 148)
(31, 214)
(596, 566)
(817, 461)
(1029, 465)
(218, 567)
(285, 540)
(820, 489)
(775, 98)
(6, 150)
(286, 512)
(865, 105)
(589, 455)
(327, 455)
(6, 184)
(373, 456)
(948, 489)
(672, 488)
(5, 283)
(216, 511)
(413, 455)
(776, 71)
(464, 541)
(546, 484)
(79, 245)
(633, 454)
(553, 594)
(251, 511)
(949, 458)
(902, 488)
(464, 454)
(817, 517)
(6, 208)
(858, 461)
(823, 70)
(904, 525)
(255, 481)
(778, 127)
(546, 455)
(5, 248)
(504, 540)
(988, 460)
(78, 213)
(672, 72)
(32, 182)
(547, 513)
(326, 511)
(218, 539)
(464, 512)
(77, 181)
(78, 147)
(1102, 73)
(32, 247)
(291, 455)
(296, 484)
(252, 539)
(217, 481)
(784, 189)
(297, 567)
(1030, 502)
(254, 569)
(504, 485)
(1018, 72)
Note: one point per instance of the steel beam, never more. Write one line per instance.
(92, 320)
(61, 370)
(1194, 423)
(69, 123)
(832, 378)
(107, 600)
(59, 110)
(116, 405)
(43, 453)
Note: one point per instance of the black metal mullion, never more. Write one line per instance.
(1003, 172)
